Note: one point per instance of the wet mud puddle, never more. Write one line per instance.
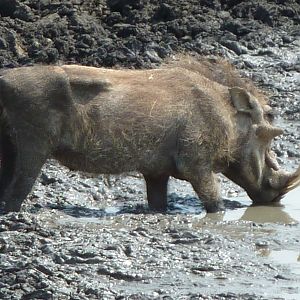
(288, 213)
(274, 230)
(279, 218)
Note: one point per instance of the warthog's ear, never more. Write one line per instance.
(241, 99)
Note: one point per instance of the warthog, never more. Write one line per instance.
(189, 119)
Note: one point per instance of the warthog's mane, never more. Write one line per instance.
(218, 70)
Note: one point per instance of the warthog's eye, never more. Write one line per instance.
(269, 113)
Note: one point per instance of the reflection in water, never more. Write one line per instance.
(286, 213)
(267, 214)
(257, 214)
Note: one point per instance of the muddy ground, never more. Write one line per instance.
(79, 237)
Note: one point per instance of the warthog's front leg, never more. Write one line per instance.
(157, 191)
(207, 188)
(205, 184)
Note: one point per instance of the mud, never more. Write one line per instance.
(79, 237)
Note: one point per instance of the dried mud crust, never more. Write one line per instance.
(70, 241)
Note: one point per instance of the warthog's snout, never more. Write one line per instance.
(275, 187)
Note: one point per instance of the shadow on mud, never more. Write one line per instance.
(177, 205)
(239, 208)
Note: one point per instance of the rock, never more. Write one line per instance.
(3, 44)
(234, 46)
(153, 56)
(264, 14)
(8, 7)
(23, 12)
(47, 179)
(125, 30)
(39, 294)
(165, 12)
(204, 268)
(287, 39)
(120, 274)
(114, 18)
(262, 244)
(47, 249)
(236, 27)
(119, 5)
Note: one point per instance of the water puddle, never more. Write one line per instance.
(283, 254)
(287, 212)
(289, 258)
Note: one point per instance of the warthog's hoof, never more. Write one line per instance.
(158, 208)
(214, 206)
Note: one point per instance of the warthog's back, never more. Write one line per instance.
(134, 120)
(175, 83)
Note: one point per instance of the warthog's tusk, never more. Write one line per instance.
(293, 182)
(268, 132)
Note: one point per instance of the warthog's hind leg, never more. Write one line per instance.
(157, 191)
(8, 160)
(19, 172)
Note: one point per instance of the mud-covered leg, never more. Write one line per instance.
(19, 190)
(205, 184)
(29, 160)
(157, 187)
(21, 186)
(8, 159)
(207, 188)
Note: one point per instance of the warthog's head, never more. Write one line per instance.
(255, 167)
